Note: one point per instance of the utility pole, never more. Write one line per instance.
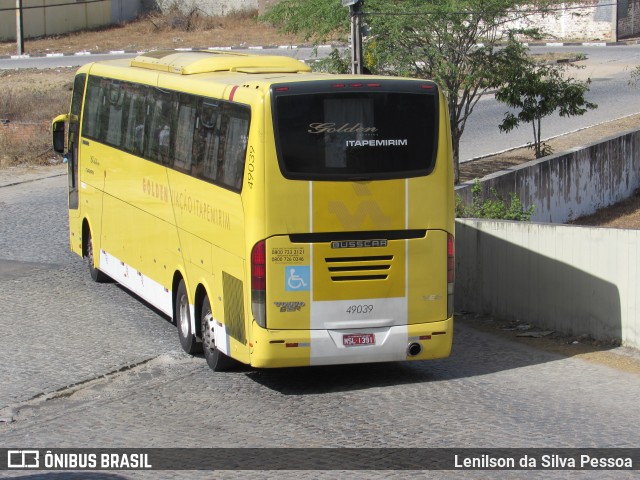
(355, 12)
(19, 30)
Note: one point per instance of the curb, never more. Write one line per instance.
(134, 52)
(295, 47)
(584, 44)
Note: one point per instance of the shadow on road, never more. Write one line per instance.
(475, 353)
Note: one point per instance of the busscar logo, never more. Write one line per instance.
(23, 459)
(380, 242)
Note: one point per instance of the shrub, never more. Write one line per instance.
(493, 206)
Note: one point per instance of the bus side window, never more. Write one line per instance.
(185, 127)
(93, 109)
(103, 114)
(209, 138)
(73, 139)
(235, 136)
(159, 146)
(136, 115)
(114, 114)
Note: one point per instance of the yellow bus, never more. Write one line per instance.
(280, 217)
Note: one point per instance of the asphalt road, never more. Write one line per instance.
(608, 67)
(89, 365)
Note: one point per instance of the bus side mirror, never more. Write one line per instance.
(57, 133)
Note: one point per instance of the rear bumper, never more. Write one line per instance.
(296, 348)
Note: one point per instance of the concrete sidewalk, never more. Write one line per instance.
(15, 175)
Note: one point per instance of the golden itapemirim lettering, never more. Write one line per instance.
(345, 128)
(194, 206)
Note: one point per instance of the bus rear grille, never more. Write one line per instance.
(233, 307)
(344, 269)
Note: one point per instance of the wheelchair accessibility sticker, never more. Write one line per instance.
(297, 278)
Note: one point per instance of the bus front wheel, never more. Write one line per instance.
(217, 361)
(183, 321)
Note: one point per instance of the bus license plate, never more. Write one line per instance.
(357, 339)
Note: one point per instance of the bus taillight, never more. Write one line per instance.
(259, 283)
(451, 273)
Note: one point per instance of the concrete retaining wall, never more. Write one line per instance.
(578, 280)
(567, 186)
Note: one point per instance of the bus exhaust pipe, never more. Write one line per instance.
(414, 349)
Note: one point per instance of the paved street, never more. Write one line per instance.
(85, 364)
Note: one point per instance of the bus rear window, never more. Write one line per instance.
(347, 133)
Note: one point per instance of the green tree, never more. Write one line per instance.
(536, 90)
(457, 43)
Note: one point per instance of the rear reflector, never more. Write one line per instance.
(258, 267)
(451, 260)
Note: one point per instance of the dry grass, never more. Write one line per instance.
(155, 31)
(35, 96)
(29, 100)
(625, 214)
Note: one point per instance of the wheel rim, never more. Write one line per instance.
(184, 316)
(207, 332)
(90, 251)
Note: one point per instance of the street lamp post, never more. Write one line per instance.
(19, 31)
(355, 11)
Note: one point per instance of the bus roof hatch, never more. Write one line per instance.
(207, 61)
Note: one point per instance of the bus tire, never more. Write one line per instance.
(96, 275)
(183, 321)
(217, 361)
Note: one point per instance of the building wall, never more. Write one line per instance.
(628, 18)
(587, 20)
(209, 7)
(263, 5)
(53, 17)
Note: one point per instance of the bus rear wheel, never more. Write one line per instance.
(183, 321)
(96, 275)
(217, 361)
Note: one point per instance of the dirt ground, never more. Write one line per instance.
(152, 32)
